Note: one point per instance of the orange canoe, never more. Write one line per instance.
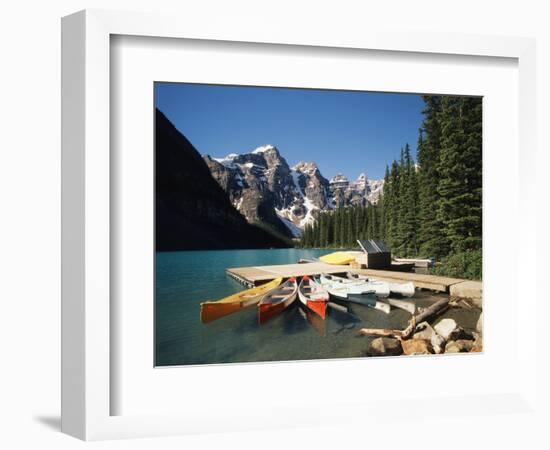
(277, 300)
(213, 310)
(313, 296)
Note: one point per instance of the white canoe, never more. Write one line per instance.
(354, 293)
(356, 286)
(404, 289)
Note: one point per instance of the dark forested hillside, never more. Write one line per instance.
(431, 208)
(192, 211)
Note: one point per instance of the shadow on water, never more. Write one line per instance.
(341, 317)
(243, 322)
(288, 322)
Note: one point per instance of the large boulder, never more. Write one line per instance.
(438, 343)
(416, 347)
(449, 330)
(459, 346)
(384, 346)
(424, 331)
(445, 328)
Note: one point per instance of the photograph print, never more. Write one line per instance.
(310, 224)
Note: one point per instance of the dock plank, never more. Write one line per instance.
(260, 274)
(433, 282)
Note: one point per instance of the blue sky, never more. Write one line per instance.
(343, 132)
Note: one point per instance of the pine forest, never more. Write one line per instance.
(431, 207)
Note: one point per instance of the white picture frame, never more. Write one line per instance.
(87, 328)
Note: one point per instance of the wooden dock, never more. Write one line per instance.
(253, 276)
(432, 282)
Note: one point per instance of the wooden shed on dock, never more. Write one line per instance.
(376, 255)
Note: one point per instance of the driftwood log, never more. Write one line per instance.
(437, 308)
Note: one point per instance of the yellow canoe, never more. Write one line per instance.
(338, 258)
(212, 310)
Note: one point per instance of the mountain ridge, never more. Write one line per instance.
(192, 211)
(261, 182)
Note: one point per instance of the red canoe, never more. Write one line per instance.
(277, 300)
(313, 296)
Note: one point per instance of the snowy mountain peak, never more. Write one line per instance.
(263, 149)
(264, 189)
(339, 179)
(361, 183)
(307, 168)
(227, 161)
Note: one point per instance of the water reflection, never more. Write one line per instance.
(185, 279)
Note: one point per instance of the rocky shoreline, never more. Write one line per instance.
(443, 335)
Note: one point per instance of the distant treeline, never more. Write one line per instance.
(431, 208)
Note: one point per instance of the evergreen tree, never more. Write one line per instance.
(349, 227)
(321, 223)
(336, 232)
(371, 222)
(449, 168)
(329, 226)
(309, 236)
(473, 160)
(383, 225)
(316, 235)
(393, 207)
(343, 228)
(408, 205)
(304, 237)
(431, 238)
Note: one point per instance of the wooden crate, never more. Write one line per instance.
(374, 260)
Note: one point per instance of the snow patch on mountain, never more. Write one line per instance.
(262, 149)
(309, 218)
(295, 230)
(361, 183)
(239, 204)
(228, 161)
(375, 189)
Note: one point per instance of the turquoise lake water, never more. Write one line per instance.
(185, 279)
